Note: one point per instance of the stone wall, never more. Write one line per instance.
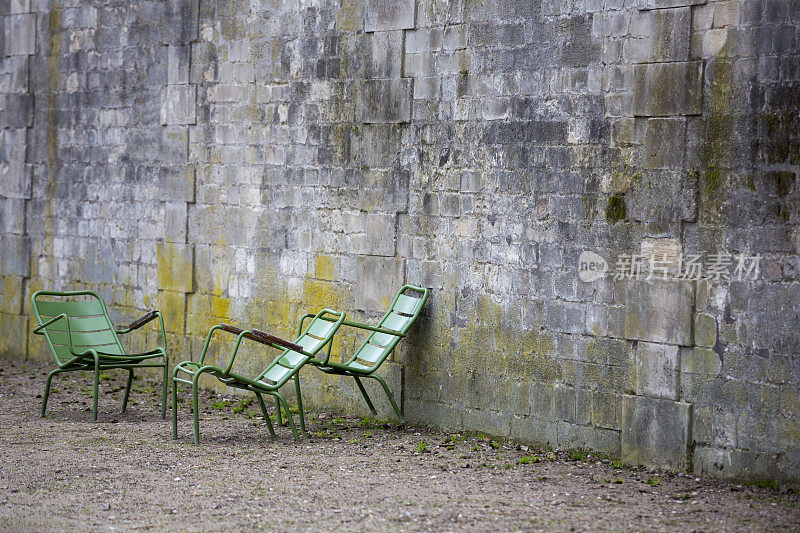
(248, 161)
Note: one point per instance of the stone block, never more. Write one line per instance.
(11, 295)
(182, 19)
(534, 430)
(14, 340)
(179, 105)
(574, 436)
(20, 35)
(661, 4)
(17, 111)
(177, 183)
(386, 101)
(660, 35)
(174, 146)
(705, 330)
(15, 255)
(664, 89)
(655, 432)
(175, 221)
(389, 15)
(379, 238)
(657, 370)
(178, 60)
(658, 311)
(735, 464)
(384, 191)
(664, 143)
(446, 416)
(12, 215)
(175, 266)
(18, 6)
(173, 308)
(377, 281)
(386, 57)
(17, 75)
(700, 361)
(79, 17)
(15, 173)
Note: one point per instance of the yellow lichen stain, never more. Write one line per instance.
(173, 308)
(220, 306)
(324, 267)
(349, 16)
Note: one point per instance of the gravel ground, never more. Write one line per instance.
(125, 472)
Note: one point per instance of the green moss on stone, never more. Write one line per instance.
(616, 209)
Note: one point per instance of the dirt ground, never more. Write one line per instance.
(125, 472)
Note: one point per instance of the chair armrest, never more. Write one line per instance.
(38, 329)
(139, 322)
(263, 337)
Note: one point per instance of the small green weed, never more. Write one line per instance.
(422, 447)
(243, 404)
(578, 455)
(221, 404)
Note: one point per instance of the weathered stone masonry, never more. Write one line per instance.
(249, 160)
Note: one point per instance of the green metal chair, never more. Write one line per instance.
(285, 366)
(377, 346)
(81, 337)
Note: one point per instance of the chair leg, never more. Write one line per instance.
(164, 385)
(196, 410)
(391, 398)
(127, 390)
(366, 397)
(47, 389)
(278, 412)
(174, 409)
(96, 388)
(299, 402)
(289, 416)
(266, 415)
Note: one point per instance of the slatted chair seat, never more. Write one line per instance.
(80, 335)
(285, 366)
(379, 344)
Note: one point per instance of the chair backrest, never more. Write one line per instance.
(319, 332)
(400, 317)
(89, 325)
